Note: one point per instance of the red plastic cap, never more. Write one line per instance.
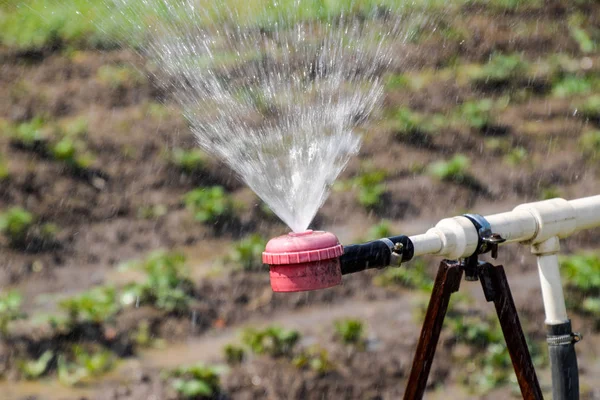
(304, 261)
(296, 248)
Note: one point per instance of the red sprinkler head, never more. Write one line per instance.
(304, 261)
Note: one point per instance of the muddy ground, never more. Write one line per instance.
(133, 124)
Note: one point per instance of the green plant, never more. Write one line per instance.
(72, 152)
(380, 230)
(30, 134)
(350, 331)
(75, 127)
(500, 70)
(36, 368)
(189, 161)
(4, 172)
(315, 358)
(10, 309)
(571, 85)
(370, 188)
(248, 253)
(488, 362)
(582, 273)
(16, 224)
(417, 128)
(273, 340)
(233, 354)
(83, 364)
(412, 275)
(167, 285)
(197, 381)
(454, 170)
(516, 156)
(397, 81)
(96, 305)
(118, 76)
(153, 211)
(477, 114)
(550, 192)
(589, 143)
(585, 42)
(209, 205)
(591, 108)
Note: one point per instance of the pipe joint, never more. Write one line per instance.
(554, 217)
(547, 247)
(458, 235)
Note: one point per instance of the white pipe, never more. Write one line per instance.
(587, 212)
(528, 223)
(427, 243)
(552, 291)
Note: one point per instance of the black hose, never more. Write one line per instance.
(563, 362)
(375, 254)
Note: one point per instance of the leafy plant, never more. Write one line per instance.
(582, 273)
(167, 285)
(10, 309)
(477, 114)
(412, 275)
(96, 305)
(119, 76)
(350, 331)
(72, 152)
(488, 355)
(316, 359)
(16, 224)
(589, 143)
(83, 364)
(189, 161)
(585, 42)
(197, 381)
(4, 172)
(273, 340)
(209, 205)
(233, 354)
(417, 128)
(591, 108)
(36, 368)
(248, 252)
(500, 70)
(380, 230)
(516, 156)
(571, 85)
(153, 211)
(30, 134)
(454, 170)
(370, 187)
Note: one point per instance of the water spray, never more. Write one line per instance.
(315, 260)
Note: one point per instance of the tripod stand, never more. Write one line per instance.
(495, 287)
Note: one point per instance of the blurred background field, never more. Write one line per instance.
(130, 260)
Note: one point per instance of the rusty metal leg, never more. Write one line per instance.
(447, 282)
(496, 289)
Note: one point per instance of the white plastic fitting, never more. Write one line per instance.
(541, 224)
(530, 223)
(555, 217)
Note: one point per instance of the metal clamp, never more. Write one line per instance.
(395, 252)
(488, 241)
(561, 340)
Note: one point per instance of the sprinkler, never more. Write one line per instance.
(316, 260)
(313, 260)
(304, 261)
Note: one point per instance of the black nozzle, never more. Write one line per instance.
(375, 254)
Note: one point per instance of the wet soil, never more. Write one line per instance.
(132, 125)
